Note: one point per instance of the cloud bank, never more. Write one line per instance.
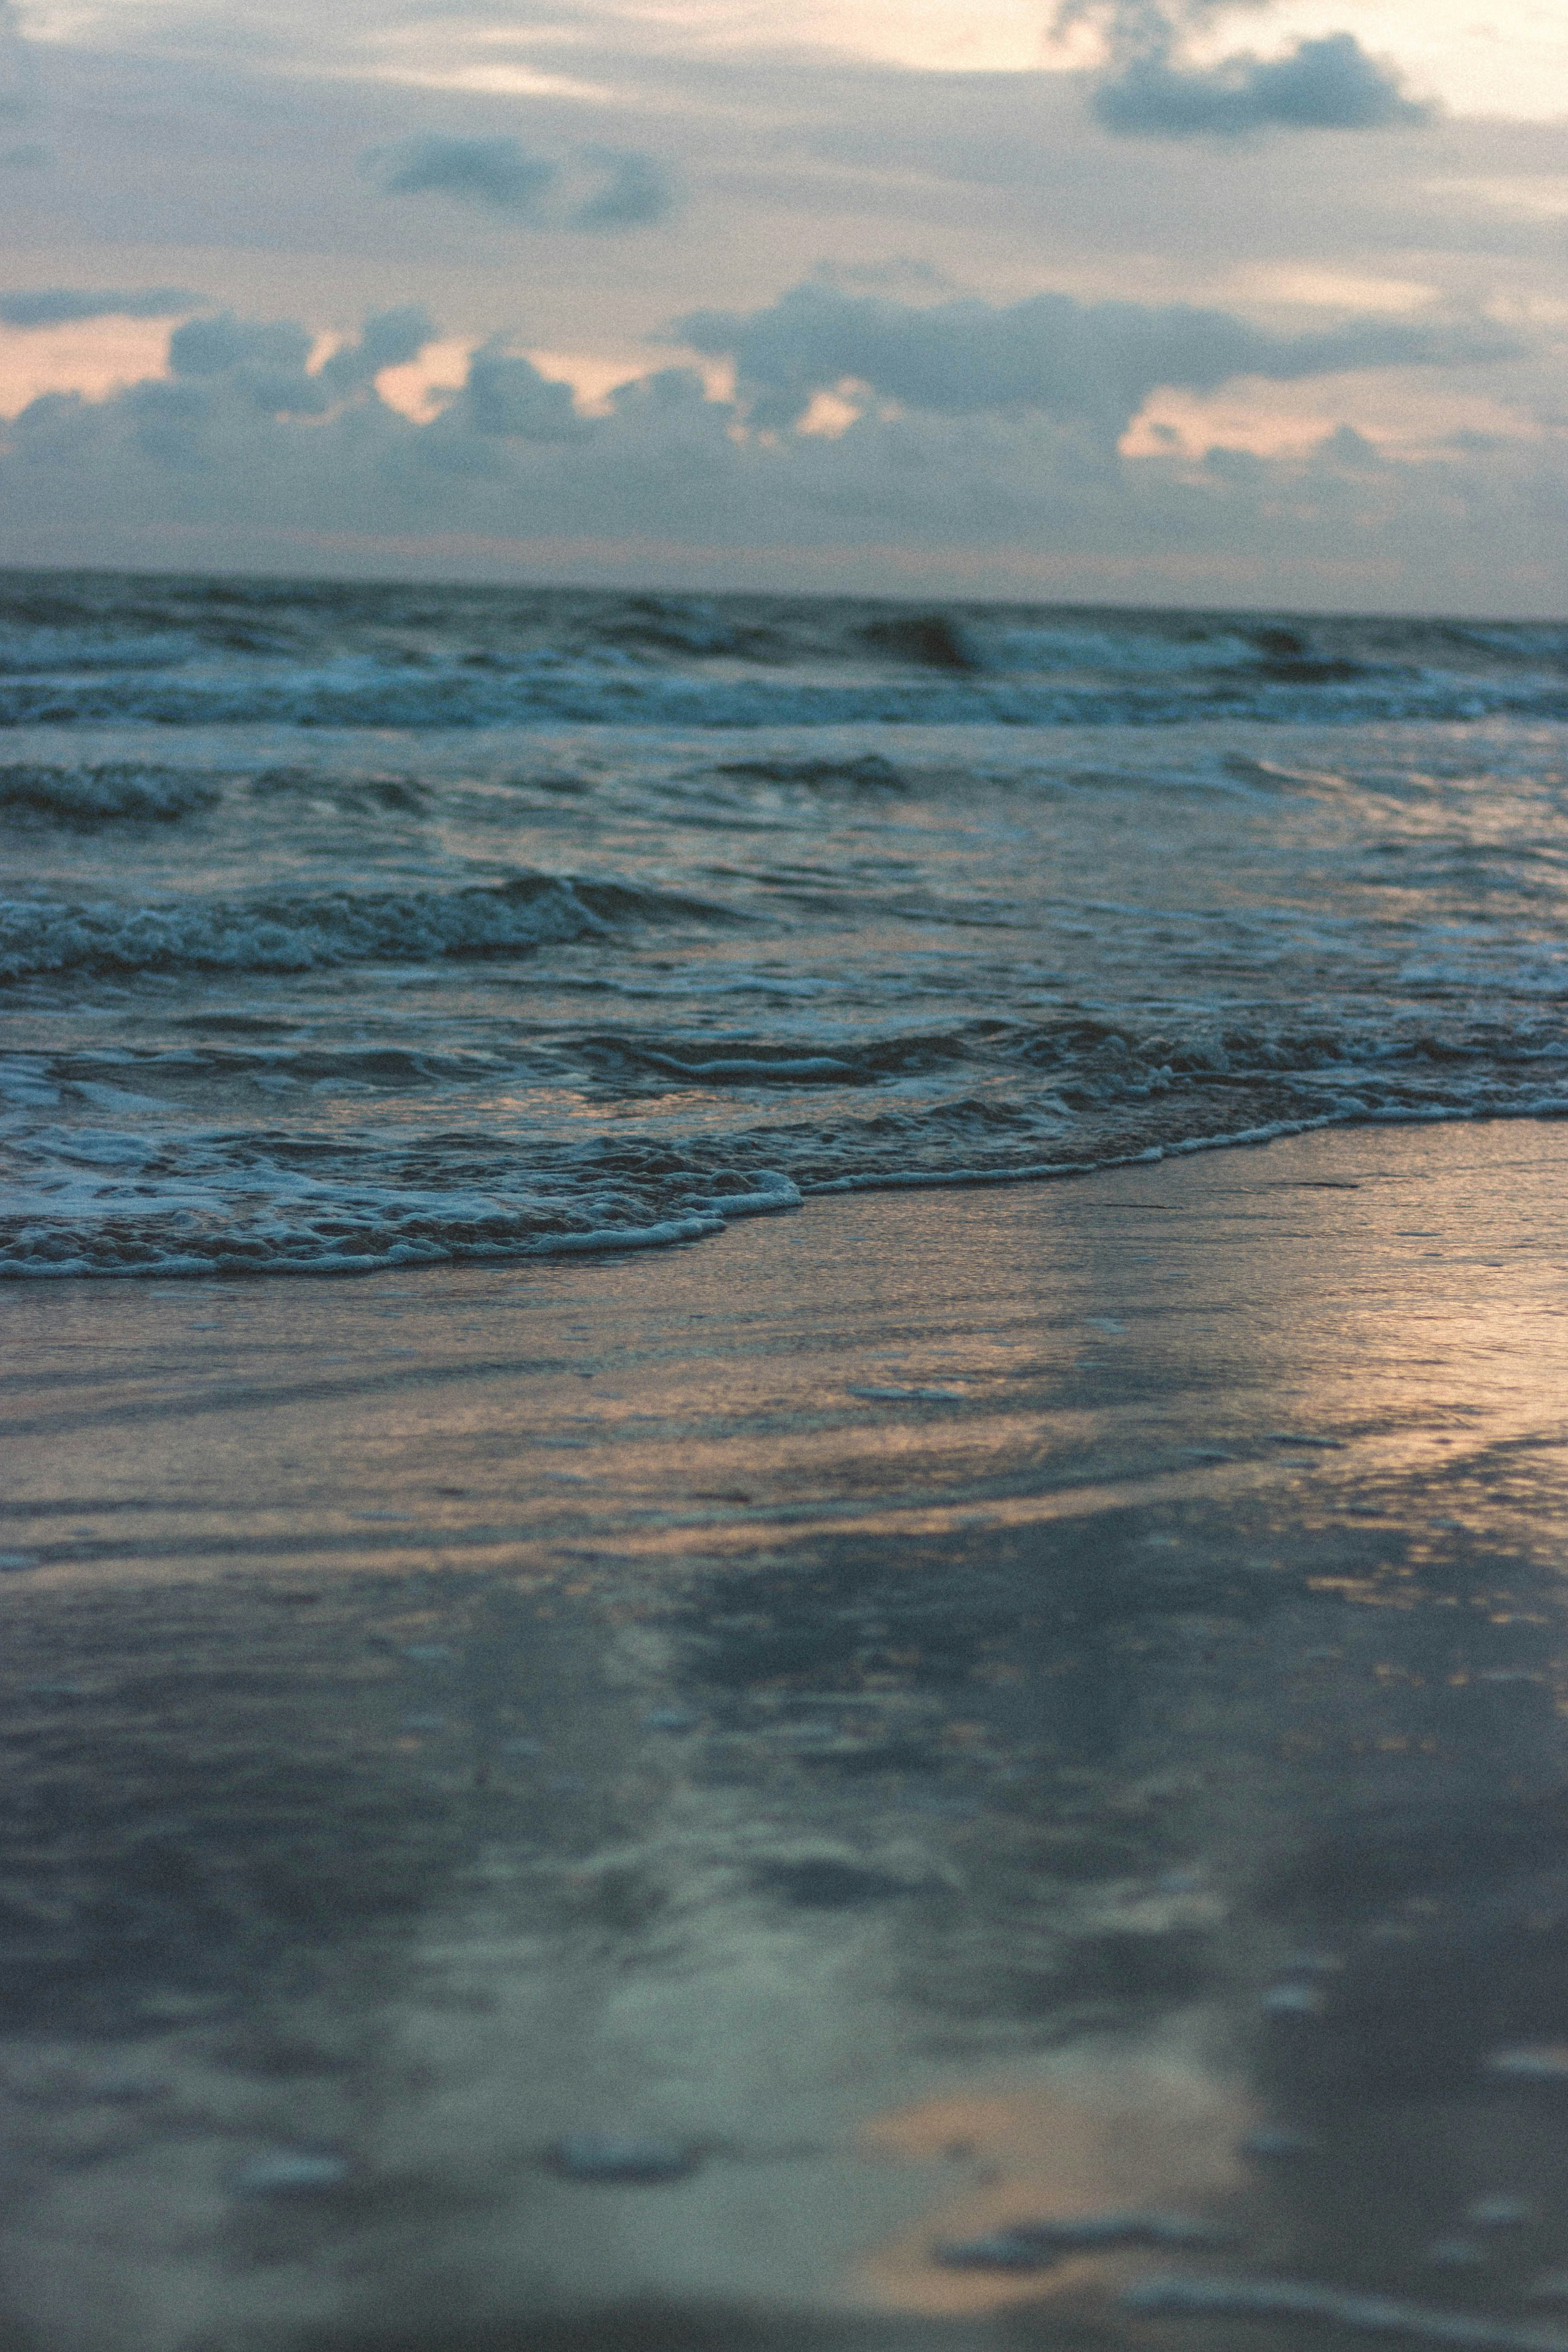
(1147, 90)
(597, 188)
(993, 451)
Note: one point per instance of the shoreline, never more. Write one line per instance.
(768, 1201)
(950, 1649)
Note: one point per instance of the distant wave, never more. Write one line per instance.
(315, 655)
(661, 698)
(53, 622)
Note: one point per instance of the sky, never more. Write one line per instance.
(1144, 302)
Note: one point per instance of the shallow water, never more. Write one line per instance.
(356, 926)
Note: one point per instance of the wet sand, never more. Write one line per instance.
(946, 1711)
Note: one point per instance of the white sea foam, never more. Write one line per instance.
(106, 1202)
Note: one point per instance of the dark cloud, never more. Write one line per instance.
(60, 306)
(636, 192)
(29, 156)
(266, 365)
(603, 188)
(1092, 364)
(389, 339)
(1148, 90)
(262, 363)
(508, 397)
(1329, 84)
(497, 174)
(228, 346)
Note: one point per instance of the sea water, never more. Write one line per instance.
(347, 927)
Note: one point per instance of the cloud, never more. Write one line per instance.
(1094, 364)
(497, 174)
(389, 339)
(13, 46)
(29, 156)
(507, 397)
(1148, 91)
(60, 306)
(16, 77)
(243, 455)
(228, 346)
(602, 188)
(1329, 84)
(265, 365)
(636, 191)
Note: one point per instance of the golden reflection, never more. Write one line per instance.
(1146, 2135)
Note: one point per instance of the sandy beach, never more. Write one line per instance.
(947, 1709)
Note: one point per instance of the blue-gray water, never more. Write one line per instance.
(347, 927)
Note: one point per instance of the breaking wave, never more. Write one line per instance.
(330, 1188)
(263, 1203)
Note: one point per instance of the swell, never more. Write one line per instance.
(1003, 1071)
(110, 791)
(1083, 1067)
(673, 700)
(54, 621)
(289, 934)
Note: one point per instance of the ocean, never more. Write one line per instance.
(348, 927)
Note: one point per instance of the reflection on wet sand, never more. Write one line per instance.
(702, 1805)
(1127, 2147)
